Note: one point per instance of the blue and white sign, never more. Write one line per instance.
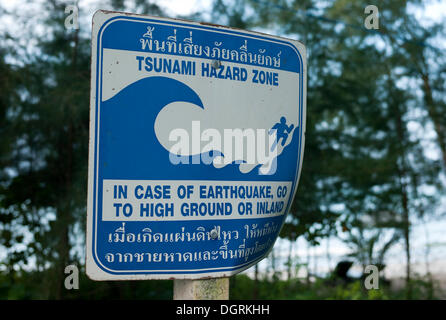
(196, 146)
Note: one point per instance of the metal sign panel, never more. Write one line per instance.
(196, 146)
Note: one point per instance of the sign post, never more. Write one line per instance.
(208, 289)
(196, 148)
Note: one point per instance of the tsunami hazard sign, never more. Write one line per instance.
(196, 146)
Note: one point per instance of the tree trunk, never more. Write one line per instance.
(406, 224)
(434, 115)
(64, 212)
(308, 264)
(255, 293)
(402, 168)
(273, 264)
(402, 172)
(63, 252)
(290, 260)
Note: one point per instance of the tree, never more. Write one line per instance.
(360, 157)
(44, 186)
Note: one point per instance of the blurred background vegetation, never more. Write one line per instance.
(374, 163)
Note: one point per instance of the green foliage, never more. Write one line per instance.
(29, 285)
(322, 289)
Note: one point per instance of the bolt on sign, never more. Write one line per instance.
(196, 146)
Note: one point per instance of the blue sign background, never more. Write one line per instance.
(175, 247)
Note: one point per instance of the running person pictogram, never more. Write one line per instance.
(282, 131)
